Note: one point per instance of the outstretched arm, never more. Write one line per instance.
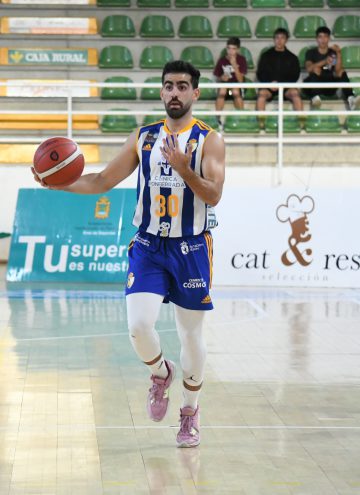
(209, 187)
(121, 167)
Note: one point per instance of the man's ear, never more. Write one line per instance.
(196, 94)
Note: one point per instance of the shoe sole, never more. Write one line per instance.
(184, 445)
(172, 381)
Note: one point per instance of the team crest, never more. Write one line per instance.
(184, 247)
(194, 144)
(130, 280)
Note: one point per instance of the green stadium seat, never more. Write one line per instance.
(210, 120)
(157, 26)
(150, 119)
(306, 26)
(155, 57)
(207, 93)
(192, 4)
(241, 124)
(153, 3)
(118, 123)
(268, 4)
(306, 4)
(250, 93)
(117, 26)
(343, 4)
(290, 124)
(118, 93)
(268, 24)
(115, 57)
(322, 124)
(200, 56)
(151, 93)
(357, 80)
(347, 26)
(352, 123)
(113, 3)
(234, 25)
(302, 54)
(230, 4)
(351, 57)
(195, 26)
(245, 52)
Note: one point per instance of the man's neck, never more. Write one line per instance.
(177, 125)
(279, 49)
(323, 50)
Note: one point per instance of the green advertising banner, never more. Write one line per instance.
(60, 236)
(35, 56)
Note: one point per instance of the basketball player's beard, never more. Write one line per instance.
(177, 113)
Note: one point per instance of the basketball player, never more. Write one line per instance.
(181, 165)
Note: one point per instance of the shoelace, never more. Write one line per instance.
(186, 423)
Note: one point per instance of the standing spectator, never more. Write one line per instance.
(278, 64)
(324, 65)
(230, 68)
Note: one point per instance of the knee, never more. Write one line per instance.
(139, 327)
(222, 93)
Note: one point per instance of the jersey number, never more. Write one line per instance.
(170, 207)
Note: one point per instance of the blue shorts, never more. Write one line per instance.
(178, 268)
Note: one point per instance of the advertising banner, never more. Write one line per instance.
(53, 91)
(288, 237)
(48, 25)
(65, 237)
(48, 56)
(50, 2)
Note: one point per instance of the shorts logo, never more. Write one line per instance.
(184, 247)
(206, 300)
(195, 283)
(130, 280)
(164, 229)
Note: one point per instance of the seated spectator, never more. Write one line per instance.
(278, 64)
(230, 68)
(324, 65)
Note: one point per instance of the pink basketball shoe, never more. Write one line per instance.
(189, 433)
(158, 398)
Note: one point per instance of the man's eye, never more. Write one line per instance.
(168, 87)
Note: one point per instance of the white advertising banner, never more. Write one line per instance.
(50, 2)
(46, 91)
(288, 237)
(49, 25)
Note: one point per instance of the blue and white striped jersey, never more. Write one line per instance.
(166, 205)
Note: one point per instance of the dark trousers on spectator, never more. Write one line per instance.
(314, 78)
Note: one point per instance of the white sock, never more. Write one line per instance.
(189, 325)
(142, 312)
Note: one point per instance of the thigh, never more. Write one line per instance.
(190, 262)
(150, 305)
(146, 273)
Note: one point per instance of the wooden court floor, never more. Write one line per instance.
(280, 405)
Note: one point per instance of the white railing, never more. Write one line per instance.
(279, 140)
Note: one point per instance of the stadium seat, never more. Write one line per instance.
(290, 124)
(342, 4)
(306, 26)
(195, 26)
(210, 120)
(230, 4)
(347, 26)
(356, 90)
(302, 54)
(157, 26)
(268, 4)
(150, 119)
(207, 93)
(267, 25)
(153, 3)
(192, 4)
(118, 93)
(245, 52)
(308, 4)
(352, 123)
(322, 124)
(155, 57)
(116, 57)
(151, 93)
(241, 124)
(200, 56)
(250, 93)
(351, 57)
(113, 3)
(234, 25)
(117, 26)
(118, 123)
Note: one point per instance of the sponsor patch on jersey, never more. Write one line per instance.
(167, 181)
(164, 228)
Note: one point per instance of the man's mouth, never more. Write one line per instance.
(175, 104)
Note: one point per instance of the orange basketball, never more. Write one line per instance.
(58, 161)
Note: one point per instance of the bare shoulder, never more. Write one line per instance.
(214, 143)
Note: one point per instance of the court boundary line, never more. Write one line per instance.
(78, 427)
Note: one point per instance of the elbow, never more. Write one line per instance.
(215, 200)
